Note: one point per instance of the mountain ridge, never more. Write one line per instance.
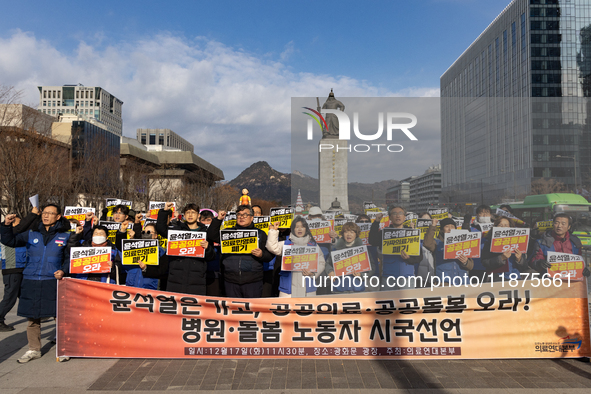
(264, 182)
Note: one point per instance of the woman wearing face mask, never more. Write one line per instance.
(291, 282)
(503, 264)
(448, 269)
(99, 239)
(349, 239)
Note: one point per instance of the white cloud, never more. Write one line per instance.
(289, 50)
(232, 105)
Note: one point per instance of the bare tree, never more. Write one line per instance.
(30, 161)
(547, 186)
(224, 197)
(266, 205)
(135, 178)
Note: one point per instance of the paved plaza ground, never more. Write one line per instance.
(278, 376)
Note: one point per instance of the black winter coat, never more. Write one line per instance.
(241, 268)
(185, 274)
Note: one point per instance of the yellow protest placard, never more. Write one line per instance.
(262, 223)
(395, 241)
(282, 215)
(140, 250)
(239, 241)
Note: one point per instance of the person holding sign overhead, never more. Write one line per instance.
(394, 265)
(446, 269)
(242, 271)
(559, 239)
(186, 274)
(506, 263)
(291, 282)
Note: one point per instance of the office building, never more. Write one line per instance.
(166, 175)
(425, 189)
(88, 139)
(417, 193)
(163, 139)
(399, 195)
(24, 118)
(512, 105)
(90, 102)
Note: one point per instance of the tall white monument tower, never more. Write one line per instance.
(332, 163)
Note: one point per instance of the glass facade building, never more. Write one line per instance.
(95, 152)
(514, 104)
(89, 139)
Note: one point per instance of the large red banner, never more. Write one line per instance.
(106, 320)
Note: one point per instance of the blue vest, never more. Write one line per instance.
(547, 249)
(285, 276)
(512, 269)
(44, 260)
(214, 265)
(449, 268)
(20, 255)
(396, 266)
(269, 266)
(135, 278)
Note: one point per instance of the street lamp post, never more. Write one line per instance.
(574, 158)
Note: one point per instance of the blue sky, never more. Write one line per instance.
(222, 73)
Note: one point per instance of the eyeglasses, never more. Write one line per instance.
(243, 216)
(363, 221)
(147, 232)
(398, 214)
(49, 213)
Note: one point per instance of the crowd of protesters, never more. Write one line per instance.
(36, 254)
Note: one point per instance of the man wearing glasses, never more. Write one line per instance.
(394, 265)
(558, 239)
(243, 273)
(48, 260)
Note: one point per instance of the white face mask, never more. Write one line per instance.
(484, 219)
(100, 239)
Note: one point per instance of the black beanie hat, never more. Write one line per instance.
(445, 222)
